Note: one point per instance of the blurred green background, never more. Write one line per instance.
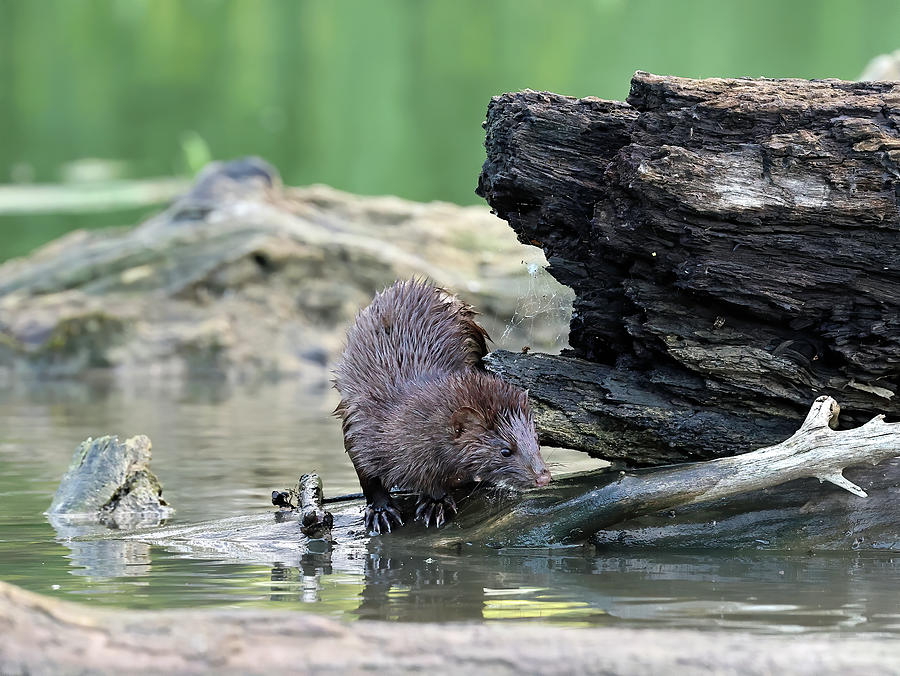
(369, 96)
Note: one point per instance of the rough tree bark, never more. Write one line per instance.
(734, 246)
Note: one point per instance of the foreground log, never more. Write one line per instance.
(815, 450)
(733, 246)
(46, 636)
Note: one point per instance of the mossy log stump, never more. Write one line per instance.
(734, 247)
(245, 278)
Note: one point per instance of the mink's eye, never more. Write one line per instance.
(506, 451)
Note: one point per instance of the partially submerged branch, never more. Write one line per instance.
(588, 507)
(315, 522)
(815, 450)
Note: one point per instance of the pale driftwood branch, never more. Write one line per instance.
(815, 450)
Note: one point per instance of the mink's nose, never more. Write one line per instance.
(542, 479)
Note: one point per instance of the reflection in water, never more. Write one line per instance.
(302, 584)
(762, 591)
(419, 589)
(102, 559)
(110, 559)
(221, 449)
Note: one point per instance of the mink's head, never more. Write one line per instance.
(494, 431)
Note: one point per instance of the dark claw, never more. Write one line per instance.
(438, 516)
(449, 503)
(435, 510)
(381, 518)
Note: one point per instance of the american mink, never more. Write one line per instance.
(418, 412)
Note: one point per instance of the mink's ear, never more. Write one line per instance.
(465, 419)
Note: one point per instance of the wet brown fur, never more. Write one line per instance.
(418, 412)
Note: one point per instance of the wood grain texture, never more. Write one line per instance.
(734, 245)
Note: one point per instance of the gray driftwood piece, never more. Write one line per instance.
(815, 450)
(734, 247)
(46, 636)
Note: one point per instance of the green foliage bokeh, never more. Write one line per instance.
(371, 96)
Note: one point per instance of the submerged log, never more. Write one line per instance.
(587, 508)
(733, 246)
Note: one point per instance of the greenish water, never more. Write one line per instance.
(371, 97)
(221, 449)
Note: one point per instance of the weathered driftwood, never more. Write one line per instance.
(733, 246)
(46, 636)
(246, 278)
(815, 450)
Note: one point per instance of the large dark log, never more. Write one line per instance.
(734, 246)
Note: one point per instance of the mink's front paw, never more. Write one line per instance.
(381, 516)
(435, 510)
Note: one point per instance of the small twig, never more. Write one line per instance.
(347, 497)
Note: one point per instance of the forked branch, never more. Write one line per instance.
(815, 450)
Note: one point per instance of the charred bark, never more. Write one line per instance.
(734, 247)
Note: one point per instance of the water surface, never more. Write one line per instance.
(221, 449)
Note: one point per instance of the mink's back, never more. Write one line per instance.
(411, 332)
